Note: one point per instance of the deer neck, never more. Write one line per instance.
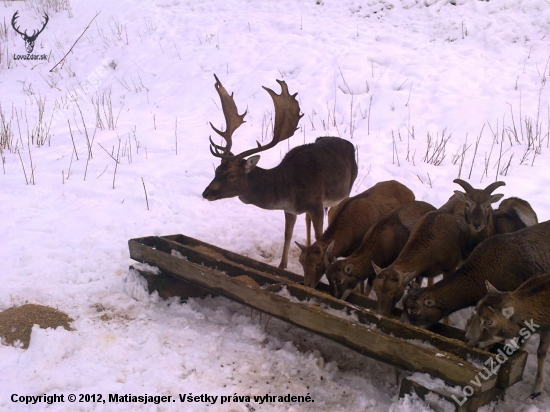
(267, 189)
(459, 290)
(531, 307)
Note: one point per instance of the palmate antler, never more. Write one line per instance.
(287, 116)
(232, 120)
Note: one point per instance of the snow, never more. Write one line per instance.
(383, 73)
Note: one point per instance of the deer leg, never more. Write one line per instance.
(367, 290)
(542, 351)
(360, 288)
(290, 220)
(317, 220)
(308, 229)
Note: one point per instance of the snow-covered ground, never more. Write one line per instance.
(389, 75)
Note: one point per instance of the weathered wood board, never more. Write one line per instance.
(279, 293)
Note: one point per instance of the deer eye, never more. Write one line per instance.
(231, 177)
(413, 311)
(318, 266)
(487, 322)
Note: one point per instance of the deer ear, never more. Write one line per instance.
(377, 269)
(496, 198)
(460, 195)
(328, 259)
(429, 302)
(490, 288)
(348, 268)
(507, 312)
(251, 163)
(302, 247)
(330, 247)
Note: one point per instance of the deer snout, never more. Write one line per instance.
(211, 191)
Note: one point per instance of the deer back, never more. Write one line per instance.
(513, 214)
(350, 224)
(381, 245)
(506, 261)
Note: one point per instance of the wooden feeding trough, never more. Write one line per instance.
(189, 267)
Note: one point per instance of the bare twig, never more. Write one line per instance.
(116, 164)
(107, 152)
(64, 57)
(145, 190)
(72, 138)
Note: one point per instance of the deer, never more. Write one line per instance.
(515, 315)
(355, 216)
(309, 178)
(29, 40)
(513, 214)
(441, 241)
(506, 260)
(381, 245)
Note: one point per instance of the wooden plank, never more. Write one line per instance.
(199, 253)
(196, 250)
(168, 286)
(510, 373)
(359, 336)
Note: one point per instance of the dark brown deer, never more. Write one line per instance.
(515, 315)
(29, 40)
(505, 260)
(308, 179)
(381, 245)
(439, 243)
(355, 217)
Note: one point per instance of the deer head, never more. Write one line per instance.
(478, 210)
(231, 177)
(29, 40)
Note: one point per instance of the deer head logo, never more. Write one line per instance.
(29, 40)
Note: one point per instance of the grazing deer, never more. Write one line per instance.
(29, 40)
(381, 245)
(308, 179)
(515, 315)
(354, 218)
(439, 243)
(505, 260)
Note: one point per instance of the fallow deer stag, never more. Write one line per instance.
(309, 178)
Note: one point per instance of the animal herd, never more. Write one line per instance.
(385, 240)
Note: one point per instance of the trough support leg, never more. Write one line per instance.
(440, 398)
(168, 286)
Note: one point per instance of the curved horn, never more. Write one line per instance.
(489, 189)
(465, 185)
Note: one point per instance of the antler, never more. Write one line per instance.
(465, 185)
(13, 20)
(489, 189)
(35, 34)
(287, 116)
(232, 120)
